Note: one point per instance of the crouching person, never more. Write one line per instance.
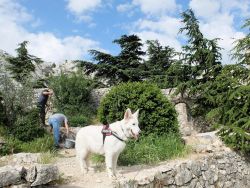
(56, 121)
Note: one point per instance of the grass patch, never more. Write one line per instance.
(48, 157)
(39, 145)
(43, 144)
(149, 149)
(152, 149)
(98, 159)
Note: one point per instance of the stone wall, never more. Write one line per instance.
(217, 170)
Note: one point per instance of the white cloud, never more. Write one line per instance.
(165, 30)
(44, 45)
(13, 11)
(217, 20)
(56, 49)
(124, 7)
(209, 9)
(82, 8)
(205, 9)
(156, 7)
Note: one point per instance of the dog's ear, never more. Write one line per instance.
(127, 114)
(136, 114)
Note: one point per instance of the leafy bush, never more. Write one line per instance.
(78, 121)
(157, 114)
(72, 96)
(26, 127)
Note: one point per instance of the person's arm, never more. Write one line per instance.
(66, 126)
(47, 92)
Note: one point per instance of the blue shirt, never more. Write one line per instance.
(59, 118)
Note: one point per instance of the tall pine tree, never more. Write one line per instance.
(22, 65)
(126, 66)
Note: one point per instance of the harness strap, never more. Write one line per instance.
(106, 131)
(115, 135)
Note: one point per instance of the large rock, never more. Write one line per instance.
(46, 174)
(26, 158)
(205, 142)
(183, 175)
(31, 174)
(10, 175)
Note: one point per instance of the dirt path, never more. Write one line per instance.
(97, 178)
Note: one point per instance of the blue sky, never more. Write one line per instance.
(66, 29)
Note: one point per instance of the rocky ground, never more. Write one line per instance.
(70, 176)
(202, 145)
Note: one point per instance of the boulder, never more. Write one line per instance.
(10, 175)
(31, 174)
(45, 174)
(26, 158)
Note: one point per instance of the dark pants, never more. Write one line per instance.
(42, 114)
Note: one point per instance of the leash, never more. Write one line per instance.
(106, 131)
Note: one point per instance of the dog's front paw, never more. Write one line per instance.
(119, 175)
(111, 174)
(113, 178)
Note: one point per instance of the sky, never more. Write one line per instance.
(59, 30)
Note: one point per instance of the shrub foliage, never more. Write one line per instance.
(157, 114)
(26, 127)
(72, 97)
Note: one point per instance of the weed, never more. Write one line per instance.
(48, 157)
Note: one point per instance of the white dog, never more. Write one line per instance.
(90, 140)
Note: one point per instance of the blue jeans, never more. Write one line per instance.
(56, 130)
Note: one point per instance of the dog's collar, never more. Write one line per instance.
(124, 132)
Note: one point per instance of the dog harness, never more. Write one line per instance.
(106, 131)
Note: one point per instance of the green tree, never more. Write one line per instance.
(159, 58)
(241, 51)
(201, 58)
(226, 101)
(229, 100)
(202, 55)
(159, 61)
(15, 99)
(121, 68)
(22, 65)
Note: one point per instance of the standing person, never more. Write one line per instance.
(56, 121)
(42, 101)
